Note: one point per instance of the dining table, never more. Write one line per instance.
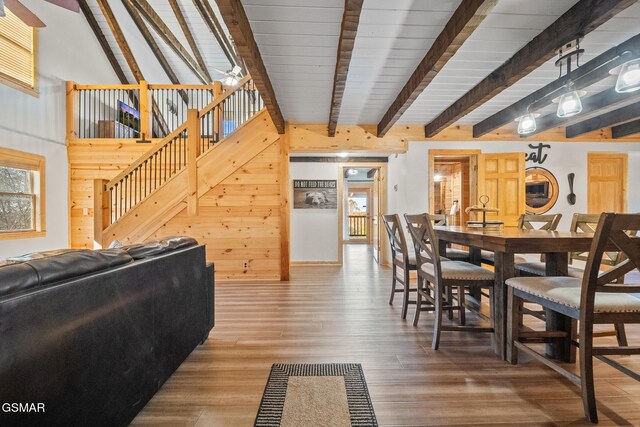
(505, 243)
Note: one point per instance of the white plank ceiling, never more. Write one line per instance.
(298, 41)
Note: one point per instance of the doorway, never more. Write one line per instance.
(359, 212)
(453, 183)
(362, 188)
(607, 182)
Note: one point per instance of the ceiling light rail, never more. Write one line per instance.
(569, 99)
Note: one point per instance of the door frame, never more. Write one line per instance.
(385, 257)
(362, 187)
(473, 171)
(625, 174)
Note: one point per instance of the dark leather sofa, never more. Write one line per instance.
(94, 334)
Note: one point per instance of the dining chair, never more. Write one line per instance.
(452, 253)
(527, 222)
(435, 276)
(594, 299)
(580, 223)
(403, 259)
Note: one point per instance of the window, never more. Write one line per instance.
(18, 54)
(21, 194)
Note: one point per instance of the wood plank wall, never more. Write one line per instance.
(89, 160)
(239, 220)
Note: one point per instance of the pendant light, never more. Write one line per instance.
(629, 77)
(526, 124)
(569, 104)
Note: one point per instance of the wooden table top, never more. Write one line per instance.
(516, 240)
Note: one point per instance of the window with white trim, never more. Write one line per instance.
(18, 54)
(21, 194)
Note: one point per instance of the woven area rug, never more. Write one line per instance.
(331, 395)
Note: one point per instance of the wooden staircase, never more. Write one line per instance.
(182, 189)
(195, 157)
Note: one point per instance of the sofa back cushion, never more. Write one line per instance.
(157, 247)
(44, 268)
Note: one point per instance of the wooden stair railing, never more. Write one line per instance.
(152, 170)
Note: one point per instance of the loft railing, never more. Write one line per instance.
(195, 136)
(138, 111)
(221, 119)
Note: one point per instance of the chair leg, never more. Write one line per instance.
(621, 335)
(416, 316)
(449, 292)
(586, 372)
(405, 295)
(514, 319)
(462, 320)
(393, 284)
(437, 324)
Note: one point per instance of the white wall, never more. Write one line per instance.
(68, 50)
(314, 232)
(409, 172)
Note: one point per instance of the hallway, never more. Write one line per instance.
(341, 314)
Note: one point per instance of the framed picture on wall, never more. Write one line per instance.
(315, 194)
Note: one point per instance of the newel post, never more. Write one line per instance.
(101, 211)
(217, 93)
(193, 151)
(145, 110)
(71, 111)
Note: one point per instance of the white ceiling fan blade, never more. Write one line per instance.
(23, 13)
(71, 5)
(220, 71)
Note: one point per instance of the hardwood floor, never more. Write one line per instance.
(340, 314)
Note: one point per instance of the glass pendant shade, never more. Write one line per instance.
(527, 124)
(569, 104)
(629, 77)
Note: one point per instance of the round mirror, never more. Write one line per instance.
(541, 190)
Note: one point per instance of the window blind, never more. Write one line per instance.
(17, 50)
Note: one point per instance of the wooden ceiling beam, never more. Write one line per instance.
(122, 42)
(626, 129)
(167, 35)
(348, 31)
(95, 27)
(177, 11)
(591, 106)
(587, 74)
(611, 118)
(220, 37)
(221, 31)
(582, 18)
(238, 24)
(146, 34)
(462, 24)
(131, 60)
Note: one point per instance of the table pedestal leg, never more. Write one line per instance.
(503, 266)
(557, 265)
